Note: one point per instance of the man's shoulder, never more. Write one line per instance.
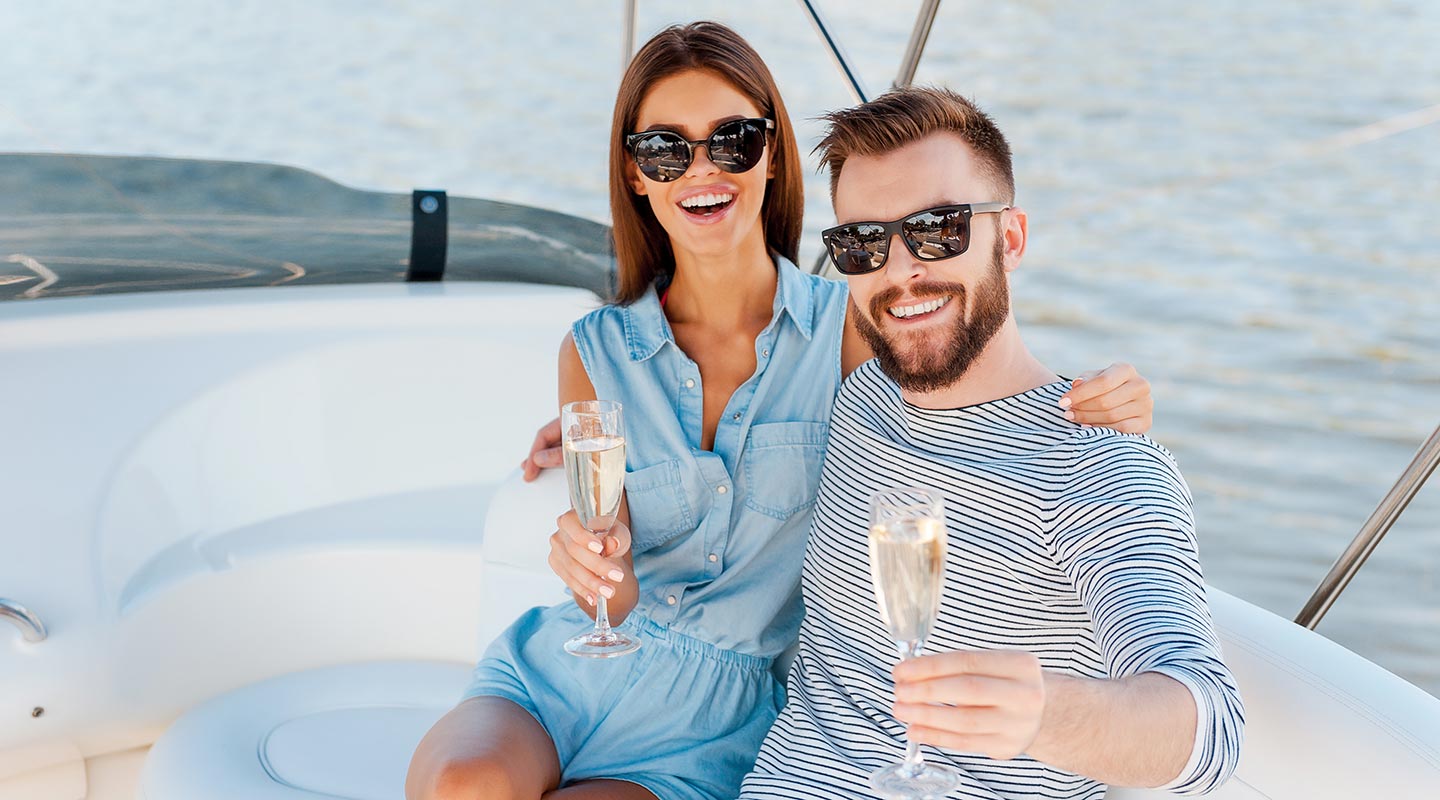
(1108, 456)
(866, 385)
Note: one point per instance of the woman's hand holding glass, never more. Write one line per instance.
(591, 569)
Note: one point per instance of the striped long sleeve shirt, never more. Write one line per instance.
(1074, 544)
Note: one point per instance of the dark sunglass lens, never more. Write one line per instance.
(933, 235)
(857, 249)
(662, 156)
(736, 146)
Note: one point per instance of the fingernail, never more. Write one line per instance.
(1070, 415)
(607, 591)
(590, 598)
(617, 575)
(1064, 402)
(596, 547)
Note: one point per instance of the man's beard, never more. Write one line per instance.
(921, 366)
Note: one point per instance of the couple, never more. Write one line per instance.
(1073, 647)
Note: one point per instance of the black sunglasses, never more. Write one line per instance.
(932, 234)
(734, 146)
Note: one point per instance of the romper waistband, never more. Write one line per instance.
(642, 625)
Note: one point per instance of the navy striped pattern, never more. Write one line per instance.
(1074, 544)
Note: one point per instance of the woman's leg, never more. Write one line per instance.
(486, 748)
(602, 790)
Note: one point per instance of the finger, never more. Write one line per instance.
(1109, 379)
(992, 663)
(1139, 409)
(600, 568)
(549, 458)
(989, 745)
(617, 541)
(547, 437)
(959, 690)
(579, 582)
(953, 719)
(570, 527)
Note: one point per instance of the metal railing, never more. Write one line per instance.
(627, 39)
(1372, 532)
(919, 36)
(23, 618)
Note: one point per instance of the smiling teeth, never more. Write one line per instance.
(904, 312)
(706, 200)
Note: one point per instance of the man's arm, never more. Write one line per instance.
(1170, 715)
(1136, 731)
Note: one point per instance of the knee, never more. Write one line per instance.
(473, 778)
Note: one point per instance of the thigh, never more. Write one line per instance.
(602, 790)
(484, 742)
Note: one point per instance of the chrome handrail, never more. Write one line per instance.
(918, 37)
(30, 625)
(627, 42)
(1374, 529)
(924, 21)
(852, 78)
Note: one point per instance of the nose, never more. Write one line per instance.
(901, 266)
(700, 163)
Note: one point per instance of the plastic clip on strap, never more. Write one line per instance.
(429, 217)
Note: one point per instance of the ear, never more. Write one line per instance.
(1016, 230)
(636, 180)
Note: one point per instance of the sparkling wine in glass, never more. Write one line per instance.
(907, 567)
(593, 435)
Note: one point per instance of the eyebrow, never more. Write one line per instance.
(665, 126)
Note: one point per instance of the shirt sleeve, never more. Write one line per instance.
(1124, 533)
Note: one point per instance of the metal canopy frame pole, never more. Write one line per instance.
(852, 78)
(627, 42)
(1372, 532)
(924, 21)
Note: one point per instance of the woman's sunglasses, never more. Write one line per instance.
(932, 234)
(734, 146)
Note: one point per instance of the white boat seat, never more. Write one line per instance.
(335, 732)
(1322, 722)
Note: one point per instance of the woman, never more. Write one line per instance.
(727, 359)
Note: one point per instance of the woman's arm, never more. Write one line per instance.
(572, 555)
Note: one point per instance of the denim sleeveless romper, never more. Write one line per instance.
(718, 539)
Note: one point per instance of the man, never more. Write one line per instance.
(1073, 646)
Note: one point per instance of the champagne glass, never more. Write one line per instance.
(907, 567)
(593, 435)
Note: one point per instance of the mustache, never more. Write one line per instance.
(887, 297)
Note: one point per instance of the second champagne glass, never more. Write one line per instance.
(593, 434)
(907, 567)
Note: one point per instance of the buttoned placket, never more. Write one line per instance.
(716, 466)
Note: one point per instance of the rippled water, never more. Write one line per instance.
(1209, 199)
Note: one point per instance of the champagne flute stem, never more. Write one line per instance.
(602, 609)
(914, 761)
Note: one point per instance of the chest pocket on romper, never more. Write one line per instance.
(659, 509)
(782, 466)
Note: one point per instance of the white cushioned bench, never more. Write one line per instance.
(1322, 722)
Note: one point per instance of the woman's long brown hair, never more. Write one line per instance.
(642, 248)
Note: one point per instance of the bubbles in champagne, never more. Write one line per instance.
(907, 566)
(595, 467)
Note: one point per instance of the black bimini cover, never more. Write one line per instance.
(84, 225)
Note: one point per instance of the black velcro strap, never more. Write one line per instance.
(429, 235)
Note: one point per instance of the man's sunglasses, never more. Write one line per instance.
(734, 146)
(932, 234)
